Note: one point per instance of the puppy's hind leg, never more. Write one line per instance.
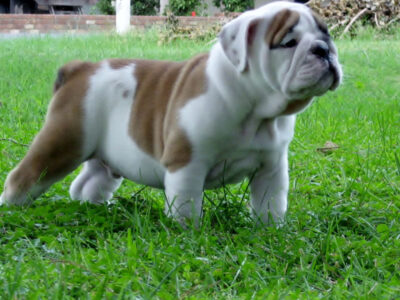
(58, 148)
(53, 154)
(96, 183)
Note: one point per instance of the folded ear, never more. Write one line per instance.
(236, 37)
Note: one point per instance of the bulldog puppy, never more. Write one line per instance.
(186, 126)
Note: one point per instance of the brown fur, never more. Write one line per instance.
(56, 150)
(296, 106)
(67, 71)
(280, 25)
(163, 88)
(155, 84)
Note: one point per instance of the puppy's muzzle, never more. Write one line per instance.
(321, 51)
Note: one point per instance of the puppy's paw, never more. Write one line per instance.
(18, 199)
(91, 193)
(268, 219)
(186, 222)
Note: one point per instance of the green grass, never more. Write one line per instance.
(342, 233)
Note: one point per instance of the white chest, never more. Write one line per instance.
(255, 145)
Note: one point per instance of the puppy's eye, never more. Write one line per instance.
(290, 44)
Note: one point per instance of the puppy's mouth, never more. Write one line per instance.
(326, 81)
(329, 80)
(336, 77)
(315, 77)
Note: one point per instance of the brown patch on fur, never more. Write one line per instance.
(163, 88)
(56, 150)
(296, 106)
(68, 71)
(155, 81)
(119, 63)
(280, 25)
(190, 84)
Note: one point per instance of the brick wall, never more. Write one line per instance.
(34, 24)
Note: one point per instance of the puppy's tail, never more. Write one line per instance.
(66, 72)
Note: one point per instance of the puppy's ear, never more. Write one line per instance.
(235, 38)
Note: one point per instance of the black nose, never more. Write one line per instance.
(321, 50)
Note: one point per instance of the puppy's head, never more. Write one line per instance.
(286, 46)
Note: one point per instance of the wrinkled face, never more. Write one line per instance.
(286, 46)
(301, 57)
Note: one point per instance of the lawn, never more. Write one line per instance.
(341, 238)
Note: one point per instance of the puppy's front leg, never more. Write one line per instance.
(269, 189)
(184, 193)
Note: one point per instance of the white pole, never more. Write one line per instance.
(163, 4)
(123, 15)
